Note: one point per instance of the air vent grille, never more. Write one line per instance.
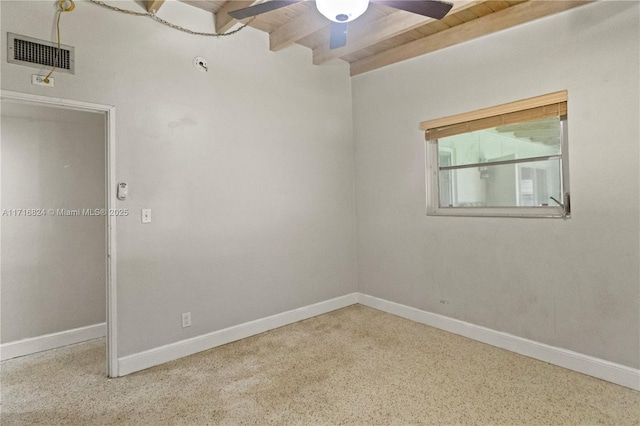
(39, 53)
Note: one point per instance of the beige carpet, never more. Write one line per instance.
(352, 366)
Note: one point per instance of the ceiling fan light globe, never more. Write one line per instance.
(342, 10)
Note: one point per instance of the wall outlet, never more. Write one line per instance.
(186, 320)
(39, 80)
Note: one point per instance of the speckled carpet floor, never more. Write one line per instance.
(352, 366)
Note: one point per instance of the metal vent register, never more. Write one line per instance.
(33, 52)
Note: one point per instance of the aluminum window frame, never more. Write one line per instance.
(432, 181)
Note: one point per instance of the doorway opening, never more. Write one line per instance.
(58, 230)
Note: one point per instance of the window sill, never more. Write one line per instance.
(518, 212)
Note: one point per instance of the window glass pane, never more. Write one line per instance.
(446, 183)
(515, 141)
(526, 184)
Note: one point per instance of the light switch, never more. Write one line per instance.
(146, 215)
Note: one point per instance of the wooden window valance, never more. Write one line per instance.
(538, 108)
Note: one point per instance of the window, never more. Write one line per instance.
(508, 160)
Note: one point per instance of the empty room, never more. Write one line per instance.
(320, 212)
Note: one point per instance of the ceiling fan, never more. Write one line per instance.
(340, 12)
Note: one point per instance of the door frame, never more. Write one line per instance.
(111, 185)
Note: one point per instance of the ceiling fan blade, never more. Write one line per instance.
(258, 9)
(431, 8)
(338, 35)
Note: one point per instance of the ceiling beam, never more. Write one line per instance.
(223, 20)
(542, 133)
(201, 4)
(514, 15)
(362, 36)
(307, 23)
(154, 5)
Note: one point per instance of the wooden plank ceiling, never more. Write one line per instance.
(383, 35)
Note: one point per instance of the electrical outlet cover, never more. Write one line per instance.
(186, 320)
(38, 80)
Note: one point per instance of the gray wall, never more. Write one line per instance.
(249, 172)
(572, 284)
(248, 169)
(53, 267)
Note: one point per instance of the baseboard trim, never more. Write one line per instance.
(602, 369)
(596, 367)
(143, 360)
(51, 341)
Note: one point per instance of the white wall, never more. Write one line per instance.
(573, 284)
(248, 169)
(53, 267)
